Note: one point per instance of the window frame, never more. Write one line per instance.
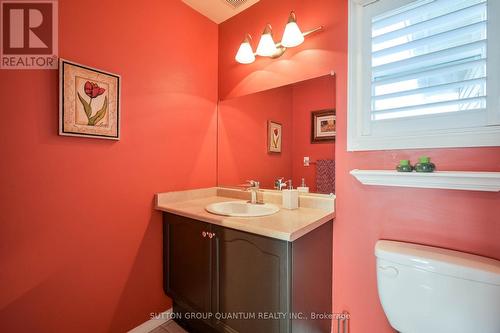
(359, 137)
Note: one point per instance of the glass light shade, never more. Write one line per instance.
(292, 36)
(267, 46)
(245, 53)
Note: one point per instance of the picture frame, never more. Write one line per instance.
(89, 101)
(274, 137)
(323, 126)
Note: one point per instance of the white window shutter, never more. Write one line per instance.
(423, 74)
(429, 58)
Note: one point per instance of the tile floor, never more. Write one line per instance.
(169, 327)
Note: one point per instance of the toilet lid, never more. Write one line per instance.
(441, 261)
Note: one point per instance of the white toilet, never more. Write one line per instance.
(425, 289)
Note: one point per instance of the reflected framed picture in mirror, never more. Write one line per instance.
(274, 136)
(323, 126)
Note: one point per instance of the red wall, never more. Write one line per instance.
(311, 95)
(80, 243)
(466, 221)
(242, 139)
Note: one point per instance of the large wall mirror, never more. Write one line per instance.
(283, 133)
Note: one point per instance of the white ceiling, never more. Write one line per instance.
(218, 10)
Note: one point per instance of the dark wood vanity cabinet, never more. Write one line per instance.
(239, 282)
(187, 269)
(251, 275)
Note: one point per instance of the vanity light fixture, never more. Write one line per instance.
(245, 53)
(292, 37)
(267, 46)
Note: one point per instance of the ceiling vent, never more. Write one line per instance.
(235, 3)
(219, 10)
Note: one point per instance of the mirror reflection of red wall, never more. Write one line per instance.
(243, 134)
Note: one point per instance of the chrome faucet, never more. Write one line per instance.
(279, 184)
(254, 187)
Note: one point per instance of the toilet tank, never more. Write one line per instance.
(426, 289)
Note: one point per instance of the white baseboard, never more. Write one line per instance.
(153, 323)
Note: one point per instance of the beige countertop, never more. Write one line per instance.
(287, 225)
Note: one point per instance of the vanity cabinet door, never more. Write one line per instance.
(187, 264)
(251, 277)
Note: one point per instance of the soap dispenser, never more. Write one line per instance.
(303, 187)
(290, 197)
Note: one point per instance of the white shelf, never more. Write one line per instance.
(452, 180)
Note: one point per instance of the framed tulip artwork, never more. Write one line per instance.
(89, 102)
(323, 126)
(274, 133)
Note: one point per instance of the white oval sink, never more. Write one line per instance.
(241, 209)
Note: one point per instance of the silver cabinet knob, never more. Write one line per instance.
(209, 234)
